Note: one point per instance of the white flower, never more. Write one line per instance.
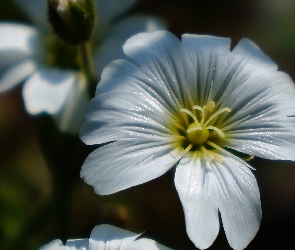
(195, 105)
(32, 54)
(107, 237)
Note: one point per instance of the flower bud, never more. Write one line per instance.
(72, 20)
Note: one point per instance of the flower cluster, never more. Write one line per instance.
(192, 104)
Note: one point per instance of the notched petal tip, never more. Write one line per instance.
(249, 49)
(47, 90)
(103, 236)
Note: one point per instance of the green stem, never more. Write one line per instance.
(87, 64)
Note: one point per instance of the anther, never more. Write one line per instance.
(190, 114)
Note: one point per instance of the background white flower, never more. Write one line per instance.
(61, 93)
(107, 237)
(194, 104)
(60, 90)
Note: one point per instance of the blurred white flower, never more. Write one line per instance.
(53, 83)
(107, 237)
(196, 105)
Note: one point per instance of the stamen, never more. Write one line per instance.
(208, 107)
(213, 145)
(211, 106)
(206, 154)
(202, 111)
(210, 92)
(217, 157)
(211, 155)
(185, 119)
(179, 126)
(194, 128)
(178, 104)
(197, 131)
(190, 114)
(226, 152)
(176, 137)
(219, 132)
(188, 148)
(217, 114)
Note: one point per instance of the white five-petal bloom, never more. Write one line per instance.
(107, 237)
(31, 53)
(194, 104)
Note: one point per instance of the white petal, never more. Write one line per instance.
(238, 200)
(13, 75)
(36, 11)
(198, 44)
(258, 91)
(249, 49)
(126, 102)
(262, 102)
(18, 46)
(47, 90)
(215, 66)
(71, 116)
(162, 58)
(206, 186)
(80, 244)
(196, 185)
(131, 96)
(209, 57)
(77, 244)
(123, 164)
(108, 10)
(53, 245)
(18, 40)
(265, 144)
(111, 48)
(106, 121)
(110, 237)
(113, 238)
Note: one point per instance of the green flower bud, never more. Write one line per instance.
(72, 20)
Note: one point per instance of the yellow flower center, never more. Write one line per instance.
(197, 132)
(196, 136)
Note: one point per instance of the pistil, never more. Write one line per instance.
(198, 132)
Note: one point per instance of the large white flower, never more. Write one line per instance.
(107, 237)
(196, 105)
(49, 68)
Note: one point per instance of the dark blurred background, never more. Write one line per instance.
(42, 196)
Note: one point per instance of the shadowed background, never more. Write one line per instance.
(42, 196)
